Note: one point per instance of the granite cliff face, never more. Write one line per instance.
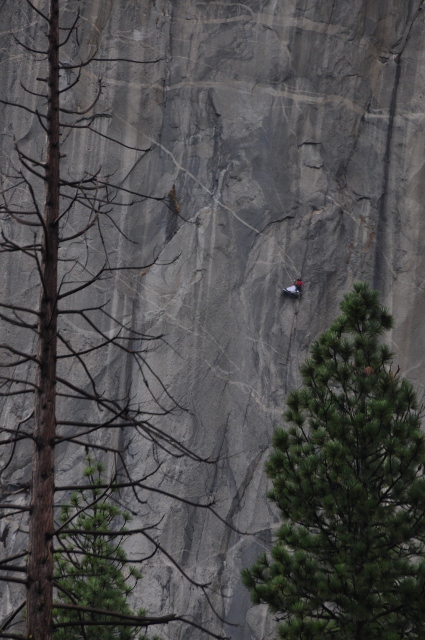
(292, 131)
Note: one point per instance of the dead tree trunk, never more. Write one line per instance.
(74, 208)
(41, 525)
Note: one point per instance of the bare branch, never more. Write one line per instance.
(11, 246)
(70, 29)
(7, 379)
(34, 199)
(65, 65)
(5, 505)
(139, 531)
(24, 434)
(70, 596)
(21, 106)
(36, 163)
(70, 86)
(78, 234)
(102, 557)
(91, 179)
(125, 146)
(39, 118)
(80, 113)
(13, 440)
(16, 568)
(127, 620)
(26, 223)
(90, 445)
(11, 617)
(33, 93)
(17, 352)
(83, 286)
(134, 193)
(89, 225)
(18, 323)
(135, 620)
(38, 11)
(15, 557)
(30, 49)
(128, 60)
(11, 579)
(31, 170)
(135, 483)
(15, 307)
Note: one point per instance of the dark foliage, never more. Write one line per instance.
(348, 478)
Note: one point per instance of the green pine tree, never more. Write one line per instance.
(92, 570)
(348, 478)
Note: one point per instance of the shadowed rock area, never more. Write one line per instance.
(289, 135)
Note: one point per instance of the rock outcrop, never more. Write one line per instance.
(289, 137)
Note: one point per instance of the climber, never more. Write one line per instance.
(296, 289)
(299, 284)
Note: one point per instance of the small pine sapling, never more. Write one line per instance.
(91, 568)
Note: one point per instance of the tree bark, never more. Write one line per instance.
(41, 526)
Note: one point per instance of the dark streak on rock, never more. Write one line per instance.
(4, 535)
(174, 210)
(380, 248)
(382, 212)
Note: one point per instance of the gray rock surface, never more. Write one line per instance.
(293, 133)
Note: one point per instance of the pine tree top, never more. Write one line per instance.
(92, 570)
(348, 478)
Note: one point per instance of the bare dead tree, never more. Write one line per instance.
(48, 205)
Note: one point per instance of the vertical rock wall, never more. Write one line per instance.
(293, 133)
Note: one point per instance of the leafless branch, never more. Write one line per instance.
(84, 552)
(70, 29)
(20, 106)
(128, 60)
(135, 620)
(73, 84)
(61, 588)
(87, 109)
(15, 307)
(11, 617)
(16, 568)
(12, 579)
(38, 11)
(15, 557)
(120, 619)
(17, 352)
(27, 48)
(83, 286)
(121, 144)
(5, 505)
(18, 323)
(33, 93)
(80, 65)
